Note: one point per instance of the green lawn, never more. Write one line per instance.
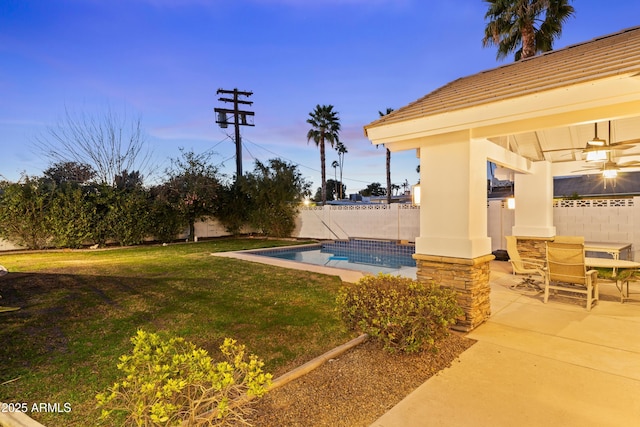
(80, 308)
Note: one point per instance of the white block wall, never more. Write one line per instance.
(391, 222)
(598, 220)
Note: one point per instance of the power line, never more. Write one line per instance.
(210, 150)
(300, 164)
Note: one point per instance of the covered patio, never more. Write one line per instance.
(535, 119)
(536, 364)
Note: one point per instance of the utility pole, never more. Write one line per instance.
(239, 118)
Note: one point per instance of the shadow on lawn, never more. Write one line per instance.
(58, 310)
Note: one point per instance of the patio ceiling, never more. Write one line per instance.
(535, 107)
(566, 144)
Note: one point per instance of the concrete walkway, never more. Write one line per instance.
(537, 364)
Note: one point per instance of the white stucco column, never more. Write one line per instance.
(534, 202)
(453, 207)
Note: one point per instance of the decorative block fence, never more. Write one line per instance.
(598, 220)
(388, 222)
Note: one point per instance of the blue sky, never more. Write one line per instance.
(164, 60)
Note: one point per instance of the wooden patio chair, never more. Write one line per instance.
(525, 266)
(566, 271)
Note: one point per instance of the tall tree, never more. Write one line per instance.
(335, 164)
(72, 172)
(276, 189)
(325, 126)
(342, 150)
(108, 143)
(191, 188)
(526, 27)
(373, 189)
(388, 162)
(333, 187)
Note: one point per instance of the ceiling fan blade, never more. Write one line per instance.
(619, 147)
(562, 149)
(628, 142)
(629, 164)
(593, 168)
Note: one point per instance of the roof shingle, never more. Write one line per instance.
(603, 57)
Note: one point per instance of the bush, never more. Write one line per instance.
(24, 211)
(168, 382)
(402, 313)
(70, 216)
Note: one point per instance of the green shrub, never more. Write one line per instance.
(402, 313)
(168, 382)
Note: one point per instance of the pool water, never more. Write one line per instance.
(370, 256)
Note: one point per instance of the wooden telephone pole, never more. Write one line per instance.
(238, 118)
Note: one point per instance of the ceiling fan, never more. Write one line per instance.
(599, 153)
(597, 148)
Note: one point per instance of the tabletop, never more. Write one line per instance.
(610, 263)
(607, 245)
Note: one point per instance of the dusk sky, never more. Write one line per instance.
(163, 60)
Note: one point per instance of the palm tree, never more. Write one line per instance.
(389, 110)
(525, 27)
(342, 150)
(335, 165)
(325, 126)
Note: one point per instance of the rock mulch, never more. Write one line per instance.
(354, 389)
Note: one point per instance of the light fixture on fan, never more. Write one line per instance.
(594, 151)
(610, 170)
(595, 154)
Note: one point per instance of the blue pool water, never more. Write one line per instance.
(371, 256)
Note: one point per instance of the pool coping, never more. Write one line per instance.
(350, 276)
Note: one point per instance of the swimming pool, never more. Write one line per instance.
(370, 256)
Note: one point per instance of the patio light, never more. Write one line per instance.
(415, 192)
(609, 173)
(595, 154)
(511, 203)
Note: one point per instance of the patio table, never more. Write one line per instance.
(611, 248)
(616, 264)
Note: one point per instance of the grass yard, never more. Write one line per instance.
(80, 308)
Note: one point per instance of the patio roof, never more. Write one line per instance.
(547, 102)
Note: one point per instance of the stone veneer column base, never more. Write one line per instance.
(468, 277)
(533, 247)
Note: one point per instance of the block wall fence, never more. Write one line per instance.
(603, 220)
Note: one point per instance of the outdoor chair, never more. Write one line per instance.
(566, 271)
(525, 266)
(569, 239)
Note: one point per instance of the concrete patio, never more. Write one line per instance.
(536, 364)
